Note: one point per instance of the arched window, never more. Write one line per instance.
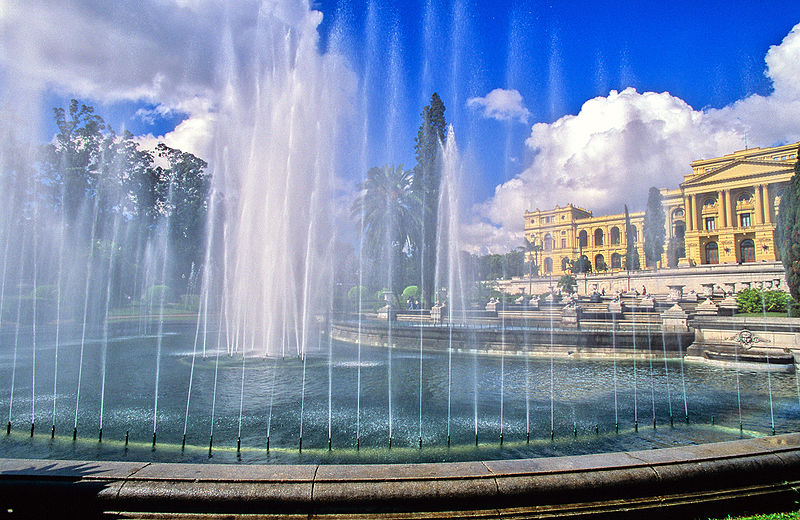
(747, 250)
(600, 263)
(616, 261)
(583, 238)
(565, 264)
(548, 242)
(615, 236)
(711, 201)
(745, 196)
(548, 265)
(634, 234)
(598, 237)
(678, 213)
(679, 229)
(712, 253)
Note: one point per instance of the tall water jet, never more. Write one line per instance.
(273, 146)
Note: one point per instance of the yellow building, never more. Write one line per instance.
(728, 206)
(564, 234)
(723, 212)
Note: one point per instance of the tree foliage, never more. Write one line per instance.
(655, 232)
(427, 178)
(567, 283)
(388, 211)
(580, 265)
(106, 203)
(788, 232)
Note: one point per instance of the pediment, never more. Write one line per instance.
(744, 169)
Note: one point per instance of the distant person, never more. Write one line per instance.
(644, 291)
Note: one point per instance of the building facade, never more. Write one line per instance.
(565, 234)
(725, 211)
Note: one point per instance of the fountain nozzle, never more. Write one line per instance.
(31, 429)
(100, 436)
(154, 440)
(74, 433)
(53, 432)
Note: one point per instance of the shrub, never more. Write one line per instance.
(412, 291)
(356, 293)
(567, 283)
(756, 300)
(158, 293)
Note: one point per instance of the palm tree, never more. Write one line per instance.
(389, 215)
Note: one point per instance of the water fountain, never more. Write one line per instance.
(272, 392)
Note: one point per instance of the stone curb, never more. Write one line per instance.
(766, 469)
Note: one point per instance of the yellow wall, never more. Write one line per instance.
(736, 195)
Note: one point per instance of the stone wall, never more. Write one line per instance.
(769, 275)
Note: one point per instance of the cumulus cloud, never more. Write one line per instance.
(617, 146)
(178, 55)
(501, 104)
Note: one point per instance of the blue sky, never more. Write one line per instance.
(516, 78)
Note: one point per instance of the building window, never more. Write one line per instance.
(712, 253)
(710, 224)
(744, 220)
(564, 264)
(548, 265)
(563, 243)
(616, 261)
(748, 251)
(679, 229)
(548, 242)
(598, 237)
(634, 234)
(583, 238)
(600, 263)
(615, 236)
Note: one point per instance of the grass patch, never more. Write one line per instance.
(769, 516)
(762, 314)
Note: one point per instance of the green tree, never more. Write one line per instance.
(788, 231)
(631, 254)
(390, 213)
(567, 283)
(655, 232)
(427, 178)
(581, 265)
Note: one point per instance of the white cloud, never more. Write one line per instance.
(501, 104)
(617, 146)
(178, 55)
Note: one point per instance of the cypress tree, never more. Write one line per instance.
(631, 254)
(427, 178)
(655, 232)
(788, 232)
